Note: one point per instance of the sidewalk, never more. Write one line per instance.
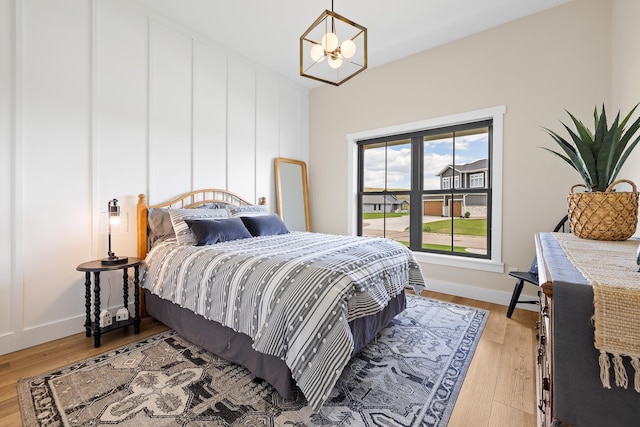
(397, 230)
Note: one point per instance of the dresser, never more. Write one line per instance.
(568, 387)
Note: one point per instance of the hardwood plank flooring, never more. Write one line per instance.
(498, 390)
(56, 354)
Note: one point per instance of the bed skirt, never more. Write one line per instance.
(236, 347)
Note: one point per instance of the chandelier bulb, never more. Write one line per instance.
(317, 53)
(329, 42)
(335, 61)
(347, 48)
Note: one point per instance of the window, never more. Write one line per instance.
(476, 180)
(445, 175)
(409, 167)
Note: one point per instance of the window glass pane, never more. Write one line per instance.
(399, 165)
(374, 167)
(387, 166)
(457, 233)
(386, 216)
(437, 156)
(470, 230)
(471, 154)
(436, 232)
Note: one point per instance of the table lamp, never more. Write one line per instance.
(113, 219)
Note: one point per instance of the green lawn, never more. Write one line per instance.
(376, 215)
(469, 227)
(439, 247)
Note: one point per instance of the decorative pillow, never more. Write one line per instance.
(264, 225)
(212, 231)
(246, 210)
(180, 227)
(212, 206)
(159, 225)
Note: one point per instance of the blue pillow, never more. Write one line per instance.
(212, 231)
(264, 225)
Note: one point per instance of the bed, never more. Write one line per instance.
(292, 307)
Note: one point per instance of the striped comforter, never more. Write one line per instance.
(294, 294)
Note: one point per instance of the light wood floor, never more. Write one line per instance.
(499, 389)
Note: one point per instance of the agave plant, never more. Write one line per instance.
(599, 155)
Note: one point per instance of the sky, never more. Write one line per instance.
(437, 154)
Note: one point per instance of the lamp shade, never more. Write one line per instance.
(114, 212)
(341, 41)
(114, 220)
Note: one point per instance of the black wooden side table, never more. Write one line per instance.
(96, 267)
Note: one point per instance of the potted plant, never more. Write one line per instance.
(600, 212)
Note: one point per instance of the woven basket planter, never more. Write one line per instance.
(603, 215)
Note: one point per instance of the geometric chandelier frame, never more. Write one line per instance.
(333, 49)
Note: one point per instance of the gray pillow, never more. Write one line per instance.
(246, 210)
(212, 231)
(212, 206)
(159, 225)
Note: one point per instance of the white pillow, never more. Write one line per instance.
(246, 210)
(180, 227)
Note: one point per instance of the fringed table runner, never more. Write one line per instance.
(610, 267)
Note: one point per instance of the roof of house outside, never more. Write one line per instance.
(477, 166)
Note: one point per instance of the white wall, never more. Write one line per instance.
(536, 66)
(625, 84)
(102, 99)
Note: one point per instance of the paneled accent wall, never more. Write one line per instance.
(103, 99)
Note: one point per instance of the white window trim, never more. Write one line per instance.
(446, 183)
(476, 176)
(494, 264)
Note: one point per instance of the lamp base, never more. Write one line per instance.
(114, 260)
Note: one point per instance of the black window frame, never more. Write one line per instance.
(417, 191)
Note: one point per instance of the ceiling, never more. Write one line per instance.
(268, 32)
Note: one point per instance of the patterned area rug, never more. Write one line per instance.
(410, 376)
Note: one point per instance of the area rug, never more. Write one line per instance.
(409, 376)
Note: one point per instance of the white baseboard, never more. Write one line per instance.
(481, 294)
(19, 340)
(14, 341)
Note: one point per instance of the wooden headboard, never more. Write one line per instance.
(188, 200)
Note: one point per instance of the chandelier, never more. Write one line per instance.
(333, 49)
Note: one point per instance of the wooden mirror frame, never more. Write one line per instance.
(305, 189)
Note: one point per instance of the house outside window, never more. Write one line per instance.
(419, 170)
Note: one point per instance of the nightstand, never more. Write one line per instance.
(96, 267)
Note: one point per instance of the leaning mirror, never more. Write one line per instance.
(292, 193)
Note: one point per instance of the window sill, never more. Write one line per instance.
(460, 262)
